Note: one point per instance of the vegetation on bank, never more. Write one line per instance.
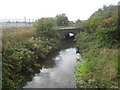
(62, 20)
(23, 47)
(98, 45)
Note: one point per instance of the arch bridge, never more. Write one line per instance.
(64, 33)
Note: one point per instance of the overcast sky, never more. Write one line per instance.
(33, 9)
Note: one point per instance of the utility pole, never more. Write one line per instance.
(29, 22)
(25, 21)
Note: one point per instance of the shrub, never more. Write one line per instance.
(45, 27)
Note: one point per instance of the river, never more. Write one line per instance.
(58, 69)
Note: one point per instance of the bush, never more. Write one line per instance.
(22, 49)
(98, 47)
(62, 20)
(46, 27)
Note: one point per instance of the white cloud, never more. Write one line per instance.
(74, 9)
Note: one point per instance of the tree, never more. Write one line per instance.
(45, 27)
(78, 22)
(105, 25)
(62, 20)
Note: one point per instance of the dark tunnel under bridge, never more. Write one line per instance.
(64, 33)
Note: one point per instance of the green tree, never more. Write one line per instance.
(45, 27)
(81, 23)
(105, 25)
(78, 23)
(62, 20)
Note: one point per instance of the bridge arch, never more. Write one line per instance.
(69, 35)
(65, 32)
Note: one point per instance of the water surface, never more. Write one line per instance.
(57, 71)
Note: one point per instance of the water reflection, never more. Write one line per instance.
(64, 44)
(59, 76)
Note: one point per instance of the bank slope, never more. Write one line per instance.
(99, 45)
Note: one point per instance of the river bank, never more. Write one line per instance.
(99, 47)
(99, 67)
(20, 53)
(57, 69)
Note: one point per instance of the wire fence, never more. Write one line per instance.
(9, 23)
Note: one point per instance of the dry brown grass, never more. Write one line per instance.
(17, 29)
(18, 33)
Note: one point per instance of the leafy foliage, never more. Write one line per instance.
(62, 20)
(98, 45)
(45, 27)
(22, 49)
(80, 23)
(104, 23)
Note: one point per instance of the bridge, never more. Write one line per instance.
(64, 33)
